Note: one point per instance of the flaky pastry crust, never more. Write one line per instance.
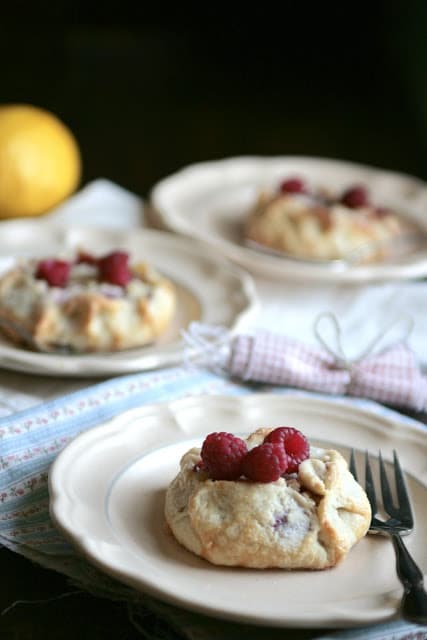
(86, 315)
(297, 225)
(306, 521)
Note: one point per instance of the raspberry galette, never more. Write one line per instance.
(303, 222)
(88, 304)
(269, 501)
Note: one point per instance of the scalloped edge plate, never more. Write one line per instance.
(115, 517)
(210, 289)
(210, 201)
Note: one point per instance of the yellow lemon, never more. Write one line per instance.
(40, 162)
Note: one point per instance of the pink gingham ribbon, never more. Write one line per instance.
(391, 376)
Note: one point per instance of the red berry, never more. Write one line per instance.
(55, 272)
(294, 443)
(293, 185)
(266, 462)
(114, 268)
(222, 455)
(355, 197)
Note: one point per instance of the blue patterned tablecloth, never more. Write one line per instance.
(31, 439)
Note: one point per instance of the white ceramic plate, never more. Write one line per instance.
(210, 201)
(209, 288)
(115, 517)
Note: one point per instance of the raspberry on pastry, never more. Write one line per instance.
(309, 519)
(87, 304)
(312, 223)
(222, 455)
(295, 444)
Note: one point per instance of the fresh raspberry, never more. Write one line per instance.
(114, 268)
(293, 185)
(266, 462)
(222, 455)
(294, 443)
(86, 258)
(355, 197)
(55, 272)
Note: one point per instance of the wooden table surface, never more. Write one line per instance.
(148, 95)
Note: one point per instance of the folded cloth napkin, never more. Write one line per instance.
(100, 203)
(391, 375)
(31, 439)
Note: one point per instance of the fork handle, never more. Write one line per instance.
(414, 601)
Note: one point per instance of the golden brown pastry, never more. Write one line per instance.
(87, 305)
(303, 223)
(308, 519)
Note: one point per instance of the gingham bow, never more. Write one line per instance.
(391, 376)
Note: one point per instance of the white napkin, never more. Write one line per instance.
(364, 312)
(100, 203)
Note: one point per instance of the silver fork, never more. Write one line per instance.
(399, 522)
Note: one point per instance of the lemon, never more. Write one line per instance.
(40, 161)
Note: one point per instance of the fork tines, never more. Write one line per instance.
(402, 510)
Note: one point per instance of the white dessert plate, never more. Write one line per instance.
(114, 517)
(211, 200)
(209, 288)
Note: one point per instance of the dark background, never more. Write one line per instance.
(149, 89)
